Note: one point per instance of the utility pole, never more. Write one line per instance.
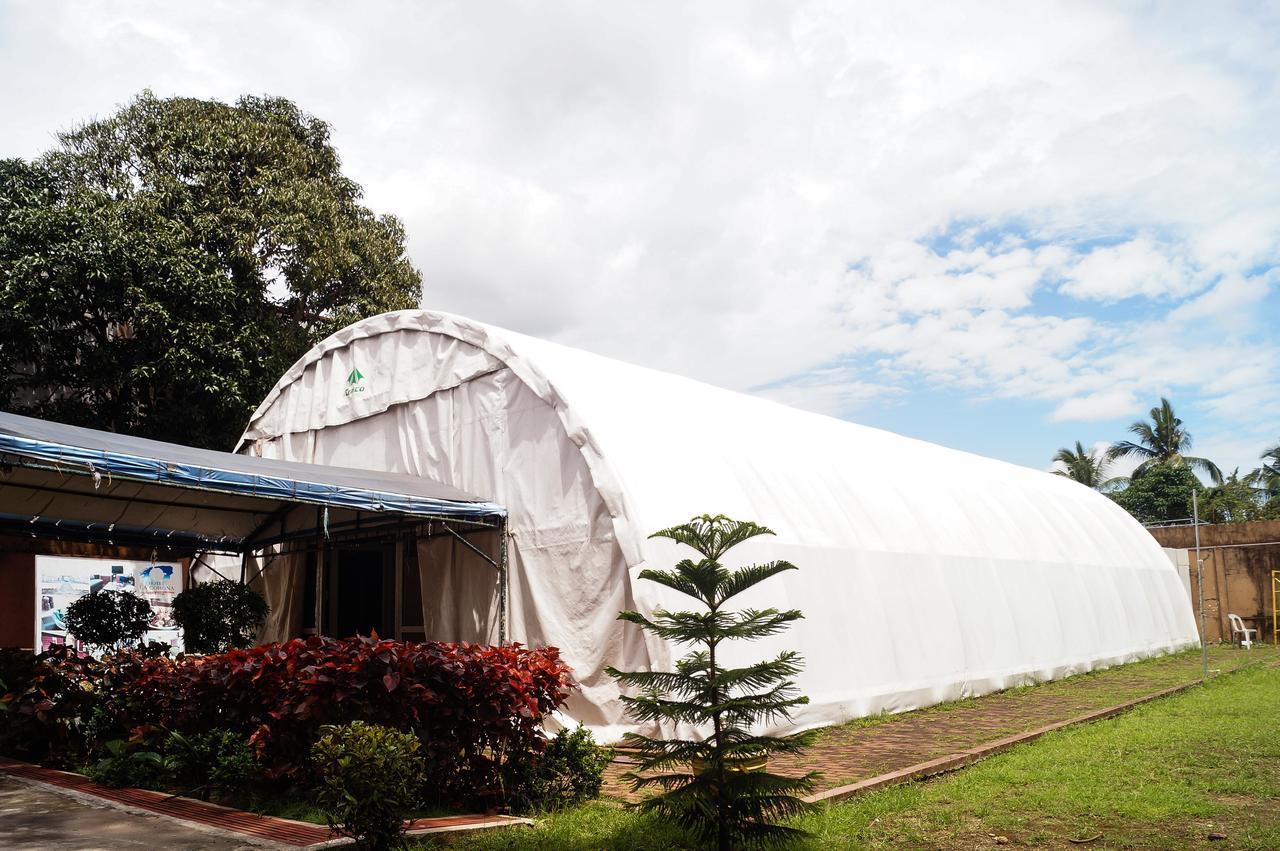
(1204, 638)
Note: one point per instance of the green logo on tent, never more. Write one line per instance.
(355, 382)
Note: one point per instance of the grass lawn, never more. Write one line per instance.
(1100, 688)
(1166, 775)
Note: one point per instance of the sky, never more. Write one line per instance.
(1002, 227)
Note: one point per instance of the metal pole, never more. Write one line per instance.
(1204, 638)
(320, 583)
(502, 583)
(1275, 615)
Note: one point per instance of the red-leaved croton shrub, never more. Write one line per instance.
(478, 710)
(64, 703)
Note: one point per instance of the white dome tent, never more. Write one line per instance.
(926, 574)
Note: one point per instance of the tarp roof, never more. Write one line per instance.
(94, 484)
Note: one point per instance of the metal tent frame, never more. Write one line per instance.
(67, 483)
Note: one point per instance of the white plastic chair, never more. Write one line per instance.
(1238, 628)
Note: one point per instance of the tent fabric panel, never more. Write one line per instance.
(459, 589)
(54, 493)
(567, 579)
(317, 396)
(926, 574)
(279, 578)
(62, 504)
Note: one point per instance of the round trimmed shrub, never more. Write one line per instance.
(217, 616)
(109, 619)
(569, 771)
(370, 778)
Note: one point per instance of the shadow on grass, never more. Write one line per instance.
(589, 827)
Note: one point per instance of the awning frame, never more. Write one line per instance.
(229, 487)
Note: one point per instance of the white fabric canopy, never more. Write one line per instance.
(926, 574)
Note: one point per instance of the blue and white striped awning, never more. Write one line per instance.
(80, 478)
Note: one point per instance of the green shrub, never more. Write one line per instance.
(216, 759)
(369, 779)
(123, 766)
(153, 649)
(217, 616)
(109, 619)
(97, 726)
(569, 771)
(1161, 494)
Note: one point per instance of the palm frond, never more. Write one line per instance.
(1205, 466)
(1125, 448)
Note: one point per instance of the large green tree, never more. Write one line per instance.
(1161, 495)
(1162, 442)
(1239, 499)
(161, 267)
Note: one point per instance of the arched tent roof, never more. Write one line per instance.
(929, 572)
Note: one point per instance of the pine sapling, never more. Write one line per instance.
(715, 784)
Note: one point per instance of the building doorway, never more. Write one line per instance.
(362, 597)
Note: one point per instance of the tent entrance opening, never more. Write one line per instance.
(362, 597)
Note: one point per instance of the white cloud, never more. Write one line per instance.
(834, 391)
(686, 186)
(1138, 267)
(1103, 405)
(1228, 301)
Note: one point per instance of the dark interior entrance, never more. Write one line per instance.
(363, 593)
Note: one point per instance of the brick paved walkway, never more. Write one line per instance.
(869, 747)
(230, 824)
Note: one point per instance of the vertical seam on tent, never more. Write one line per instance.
(606, 483)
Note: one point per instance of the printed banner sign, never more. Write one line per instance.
(61, 580)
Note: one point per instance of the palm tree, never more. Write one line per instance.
(1087, 468)
(1163, 441)
(1268, 475)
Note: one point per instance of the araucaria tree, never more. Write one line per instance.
(715, 784)
(161, 267)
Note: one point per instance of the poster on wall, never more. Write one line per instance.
(61, 580)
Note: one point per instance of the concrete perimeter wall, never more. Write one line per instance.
(1238, 562)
